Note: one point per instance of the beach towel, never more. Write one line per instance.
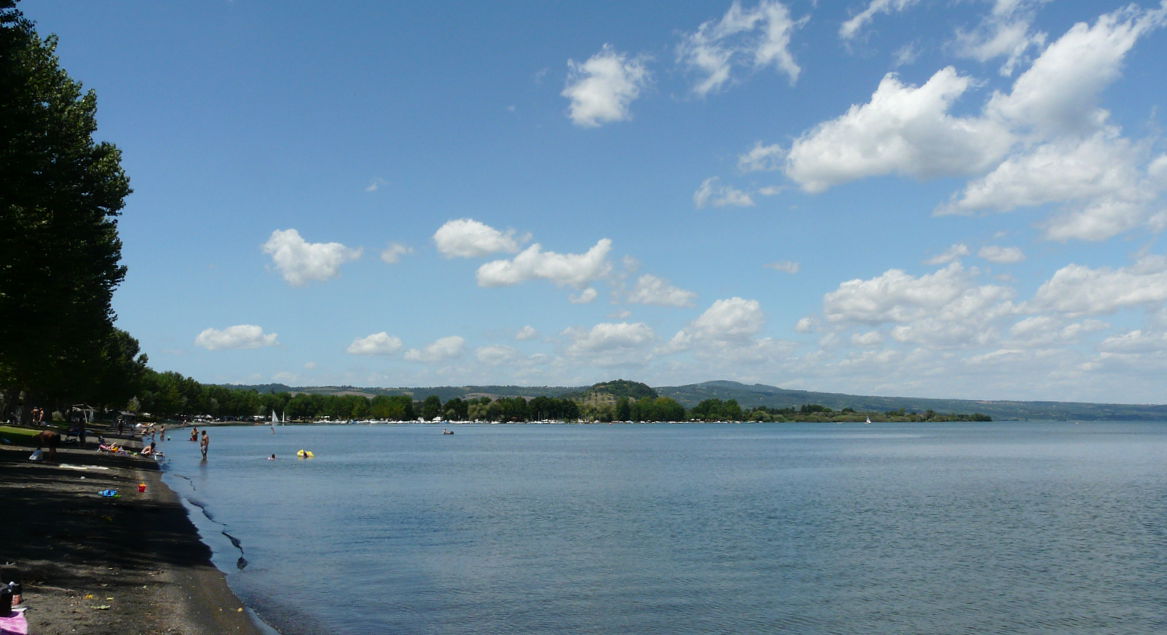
(14, 624)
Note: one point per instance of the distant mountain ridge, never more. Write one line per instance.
(750, 395)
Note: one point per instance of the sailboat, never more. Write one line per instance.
(275, 420)
(868, 421)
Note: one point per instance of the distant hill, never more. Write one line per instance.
(750, 395)
(617, 388)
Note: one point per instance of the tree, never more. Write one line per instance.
(431, 407)
(60, 195)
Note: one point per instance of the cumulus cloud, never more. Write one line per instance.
(1001, 255)
(903, 130)
(1005, 33)
(496, 355)
(652, 290)
(393, 252)
(533, 263)
(1099, 180)
(240, 336)
(300, 262)
(1137, 341)
(376, 344)
(1059, 92)
(868, 338)
(442, 349)
(468, 238)
(528, 332)
(762, 158)
(731, 320)
(583, 297)
(612, 343)
(946, 308)
(602, 88)
(1044, 330)
(852, 26)
(712, 192)
(756, 38)
(954, 252)
(1080, 290)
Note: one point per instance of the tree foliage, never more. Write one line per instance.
(60, 195)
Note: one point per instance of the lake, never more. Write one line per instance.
(698, 528)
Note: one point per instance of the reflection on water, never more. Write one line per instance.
(694, 528)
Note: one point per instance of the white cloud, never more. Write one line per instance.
(896, 296)
(731, 320)
(468, 238)
(1005, 33)
(786, 266)
(583, 297)
(533, 263)
(240, 336)
(946, 308)
(954, 252)
(1001, 255)
(612, 343)
(713, 193)
(1136, 341)
(442, 349)
(528, 332)
(375, 184)
(758, 38)
(393, 252)
(1059, 91)
(1044, 331)
(762, 158)
(602, 88)
(495, 355)
(852, 26)
(652, 290)
(902, 130)
(1081, 290)
(376, 344)
(300, 262)
(869, 338)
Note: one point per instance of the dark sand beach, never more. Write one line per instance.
(90, 564)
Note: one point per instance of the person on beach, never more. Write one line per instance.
(194, 434)
(150, 449)
(205, 444)
(50, 438)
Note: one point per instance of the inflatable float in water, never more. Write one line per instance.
(305, 454)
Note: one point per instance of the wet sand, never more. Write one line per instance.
(90, 564)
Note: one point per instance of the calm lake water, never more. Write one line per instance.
(810, 528)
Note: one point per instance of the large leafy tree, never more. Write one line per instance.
(60, 195)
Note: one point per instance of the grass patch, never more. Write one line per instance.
(19, 436)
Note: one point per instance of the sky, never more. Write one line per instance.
(930, 198)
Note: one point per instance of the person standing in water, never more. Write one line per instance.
(205, 443)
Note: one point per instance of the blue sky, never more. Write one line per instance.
(948, 198)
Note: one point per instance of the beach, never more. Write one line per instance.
(93, 564)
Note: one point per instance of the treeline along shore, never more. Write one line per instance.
(172, 396)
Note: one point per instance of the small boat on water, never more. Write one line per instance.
(447, 431)
(868, 422)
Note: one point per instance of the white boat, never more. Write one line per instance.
(868, 420)
(275, 420)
